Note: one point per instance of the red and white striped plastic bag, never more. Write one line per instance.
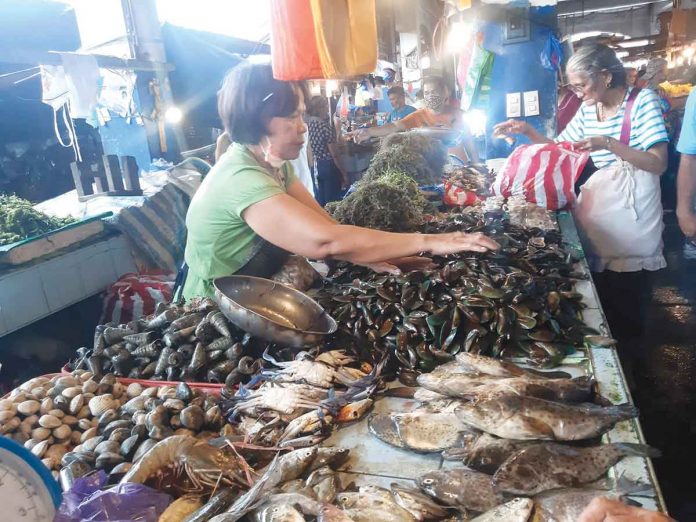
(544, 174)
(136, 295)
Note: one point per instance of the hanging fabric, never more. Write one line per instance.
(346, 35)
(480, 66)
(56, 93)
(293, 43)
(323, 38)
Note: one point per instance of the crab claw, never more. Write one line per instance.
(354, 411)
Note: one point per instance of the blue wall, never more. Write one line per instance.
(517, 68)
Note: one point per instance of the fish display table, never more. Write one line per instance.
(375, 462)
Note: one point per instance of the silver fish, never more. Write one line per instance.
(545, 466)
(421, 506)
(279, 513)
(527, 418)
(516, 510)
(330, 513)
(472, 386)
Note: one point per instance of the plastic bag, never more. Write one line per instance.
(298, 273)
(135, 295)
(456, 196)
(478, 72)
(545, 174)
(552, 54)
(87, 501)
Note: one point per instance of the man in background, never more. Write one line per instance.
(397, 98)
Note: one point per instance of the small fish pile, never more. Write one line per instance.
(520, 300)
(79, 422)
(191, 342)
(513, 428)
(297, 402)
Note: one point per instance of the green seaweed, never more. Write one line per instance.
(392, 202)
(20, 220)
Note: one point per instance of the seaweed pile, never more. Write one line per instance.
(392, 202)
(20, 220)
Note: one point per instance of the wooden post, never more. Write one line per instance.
(113, 173)
(129, 168)
(80, 177)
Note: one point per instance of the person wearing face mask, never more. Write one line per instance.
(623, 130)
(437, 113)
(251, 212)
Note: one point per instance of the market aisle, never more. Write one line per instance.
(666, 386)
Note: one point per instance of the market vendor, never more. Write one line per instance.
(251, 212)
(438, 113)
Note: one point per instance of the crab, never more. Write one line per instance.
(291, 399)
(324, 371)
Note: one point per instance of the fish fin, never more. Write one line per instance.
(537, 426)
(638, 450)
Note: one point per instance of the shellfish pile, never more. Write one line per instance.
(191, 342)
(520, 301)
(82, 421)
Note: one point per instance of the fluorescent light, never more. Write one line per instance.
(634, 43)
(331, 86)
(458, 36)
(173, 115)
(621, 54)
(476, 120)
(688, 52)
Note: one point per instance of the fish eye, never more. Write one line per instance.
(428, 481)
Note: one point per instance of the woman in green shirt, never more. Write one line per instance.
(251, 212)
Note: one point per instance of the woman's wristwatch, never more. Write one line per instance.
(607, 143)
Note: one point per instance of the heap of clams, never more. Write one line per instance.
(79, 422)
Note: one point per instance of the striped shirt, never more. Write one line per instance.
(647, 126)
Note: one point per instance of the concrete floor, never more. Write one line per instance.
(665, 383)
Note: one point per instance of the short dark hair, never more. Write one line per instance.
(438, 81)
(316, 106)
(397, 89)
(250, 97)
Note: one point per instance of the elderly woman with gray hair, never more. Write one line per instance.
(618, 213)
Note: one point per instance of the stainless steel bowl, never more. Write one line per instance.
(273, 311)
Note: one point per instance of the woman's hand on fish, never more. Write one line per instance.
(607, 510)
(402, 264)
(453, 242)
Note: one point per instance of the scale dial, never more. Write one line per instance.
(28, 491)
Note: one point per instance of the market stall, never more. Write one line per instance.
(110, 406)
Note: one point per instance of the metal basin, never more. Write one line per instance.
(273, 311)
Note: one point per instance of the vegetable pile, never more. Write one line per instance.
(391, 202)
(20, 220)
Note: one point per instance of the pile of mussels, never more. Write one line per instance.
(192, 342)
(518, 301)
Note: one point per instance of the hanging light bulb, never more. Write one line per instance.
(458, 36)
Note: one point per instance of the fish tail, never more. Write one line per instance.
(638, 450)
(623, 411)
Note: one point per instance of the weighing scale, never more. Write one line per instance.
(28, 491)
